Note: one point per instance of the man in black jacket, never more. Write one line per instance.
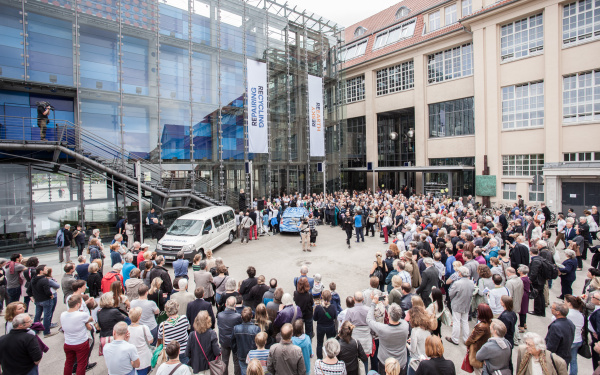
(547, 218)
(226, 320)
(561, 332)
(161, 271)
(248, 284)
(429, 279)
(41, 293)
(20, 352)
(538, 280)
(194, 307)
(519, 254)
(242, 201)
(257, 292)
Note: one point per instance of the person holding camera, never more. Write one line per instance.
(43, 109)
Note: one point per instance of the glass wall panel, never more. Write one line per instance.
(102, 118)
(99, 59)
(174, 73)
(232, 83)
(233, 134)
(202, 73)
(201, 17)
(11, 43)
(175, 130)
(203, 133)
(174, 18)
(232, 38)
(50, 50)
(137, 135)
(15, 219)
(135, 66)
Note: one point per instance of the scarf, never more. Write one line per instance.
(528, 357)
(173, 321)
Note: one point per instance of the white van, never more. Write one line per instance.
(198, 231)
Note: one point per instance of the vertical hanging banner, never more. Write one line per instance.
(315, 119)
(258, 130)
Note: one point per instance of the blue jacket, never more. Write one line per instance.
(568, 273)
(115, 258)
(449, 267)
(226, 320)
(336, 301)
(180, 267)
(559, 338)
(242, 340)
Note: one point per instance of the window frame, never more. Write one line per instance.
(458, 114)
(400, 77)
(358, 46)
(572, 18)
(454, 14)
(466, 4)
(522, 165)
(405, 30)
(576, 110)
(354, 89)
(359, 31)
(513, 97)
(458, 59)
(508, 189)
(400, 13)
(516, 41)
(535, 195)
(437, 19)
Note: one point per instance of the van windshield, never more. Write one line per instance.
(182, 227)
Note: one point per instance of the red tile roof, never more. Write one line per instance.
(385, 20)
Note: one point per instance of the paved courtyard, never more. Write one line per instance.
(281, 256)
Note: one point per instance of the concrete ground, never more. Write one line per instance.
(281, 256)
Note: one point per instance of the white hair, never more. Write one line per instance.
(464, 271)
(570, 253)
(287, 299)
(332, 347)
(428, 261)
(118, 267)
(536, 339)
(183, 283)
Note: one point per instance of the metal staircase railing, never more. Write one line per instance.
(101, 154)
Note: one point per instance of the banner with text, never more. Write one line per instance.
(315, 118)
(258, 133)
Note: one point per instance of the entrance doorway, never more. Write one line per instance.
(580, 196)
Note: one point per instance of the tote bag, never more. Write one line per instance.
(217, 367)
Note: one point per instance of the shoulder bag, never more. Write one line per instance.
(217, 366)
(175, 368)
(160, 354)
(584, 349)
(151, 347)
(162, 316)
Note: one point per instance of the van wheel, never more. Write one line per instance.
(201, 251)
(230, 238)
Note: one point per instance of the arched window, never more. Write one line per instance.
(359, 31)
(402, 12)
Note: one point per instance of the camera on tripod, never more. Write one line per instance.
(45, 105)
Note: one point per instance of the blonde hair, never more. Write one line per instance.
(156, 284)
(93, 267)
(392, 367)
(255, 368)
(208, 253)
(171, 307)
(135, 314)
(379, 257)
(202, 322)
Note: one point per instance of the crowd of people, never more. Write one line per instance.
(446, 264)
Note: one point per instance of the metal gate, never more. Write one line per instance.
(580, 196)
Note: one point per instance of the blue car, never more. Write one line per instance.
(291, 218)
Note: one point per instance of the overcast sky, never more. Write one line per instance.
(343, 12)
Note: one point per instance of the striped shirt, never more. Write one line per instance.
(175, 329)
(312, 224)
(262, 355)
(322, 368)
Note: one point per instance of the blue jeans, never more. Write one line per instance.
(46, 308)
(308, 328)
(243, 366)
(14, 294)
(321, 333)
(33, 371)
(359, 234)
(573, 365)
(143, 371)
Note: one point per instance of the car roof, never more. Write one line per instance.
(206, 213)
(295, 212)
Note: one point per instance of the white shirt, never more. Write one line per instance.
(494, 299)
(166, 368)
(148, 309)
(118, 356)
(73, 325)
(136, 338)
(578, 320)
(560, 226)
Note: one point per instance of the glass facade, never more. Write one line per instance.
(463, 183)
(452, 118)
(166, 81)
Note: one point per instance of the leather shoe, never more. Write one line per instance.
(449, 339)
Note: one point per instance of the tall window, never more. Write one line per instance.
(536, 193)
(451, 15)
(581, 21)
(452, 63)
(467, 7)
(355, 89)
(434, 21)
(353, 51)
(522, 38)
(581, 97)
(354, 139)
(394, 35)
(453, 118)
(522, 165)
(396, 78)
(509, 191)
(523, 105)
(582, 156)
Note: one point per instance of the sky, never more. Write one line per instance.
(343, 12)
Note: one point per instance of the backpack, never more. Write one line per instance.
(108, 279)
(377, 273)
(60, 238)
(550, 270)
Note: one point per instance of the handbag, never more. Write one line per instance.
(446, 317)
(217, 366)
(151, 347)
(466, 364)
(162, 316)
(584, 350)
(160, 354)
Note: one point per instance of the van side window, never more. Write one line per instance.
(207, 226)
(229, 216)
(218, 221)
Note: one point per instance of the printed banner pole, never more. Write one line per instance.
(316, 121)
(258, 134)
